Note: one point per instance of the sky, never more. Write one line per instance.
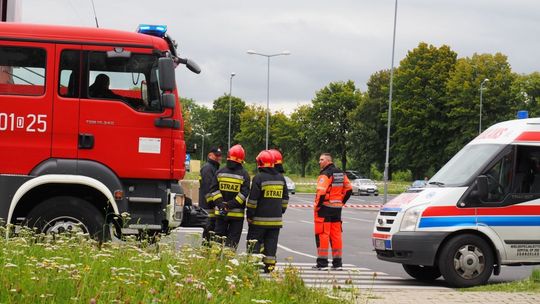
(329, 41)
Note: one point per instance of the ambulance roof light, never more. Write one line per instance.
(153, 30)
(522, 114)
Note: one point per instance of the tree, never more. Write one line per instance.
(463, 95)
(252, 131)
(526, 88)
(420, 126)
(299, 148)
(368, 134)
(330, 120)
(219, 127)
(196, 121)
(280, 136)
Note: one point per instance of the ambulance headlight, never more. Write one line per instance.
(410, 218)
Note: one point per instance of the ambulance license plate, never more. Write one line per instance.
(379, 244)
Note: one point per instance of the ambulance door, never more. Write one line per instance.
(119, 107)
(513, 206)
(26, 94)
(66, 103)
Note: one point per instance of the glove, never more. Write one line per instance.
(223, 208)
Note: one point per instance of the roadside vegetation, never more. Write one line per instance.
(307, 184)
(435, 111)
(75, 269)
(531, 284)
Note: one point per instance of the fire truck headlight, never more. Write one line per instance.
(410, 218)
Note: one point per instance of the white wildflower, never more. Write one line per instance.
(234, 262)
(10, 265)
(261, 301)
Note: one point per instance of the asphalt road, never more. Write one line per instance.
(361, 266)
(297, 240)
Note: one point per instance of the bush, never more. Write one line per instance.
(374, 173)
(402, 176)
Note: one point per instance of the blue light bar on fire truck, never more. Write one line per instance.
(153, 30)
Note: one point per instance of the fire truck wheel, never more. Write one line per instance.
(422, 273)
(466, 260)
(67, 214)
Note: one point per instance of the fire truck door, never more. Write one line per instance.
(26, 79)
(119, 106)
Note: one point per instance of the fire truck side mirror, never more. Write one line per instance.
(168, 100)
(190, 64)
(167, 81)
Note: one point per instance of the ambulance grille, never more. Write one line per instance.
(384, 220)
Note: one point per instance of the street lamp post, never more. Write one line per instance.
(230, 97)
(252, 52)
(202, 145)
(387, 160)
(480, 120)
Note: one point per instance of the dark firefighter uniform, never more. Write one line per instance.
(267, 202)
(208, 172)
(229, 193)
(333, 191)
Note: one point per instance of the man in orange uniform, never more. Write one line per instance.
(333, 191)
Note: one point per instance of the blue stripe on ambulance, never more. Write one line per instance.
(429, 222)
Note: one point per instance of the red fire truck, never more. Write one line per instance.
(91, 129)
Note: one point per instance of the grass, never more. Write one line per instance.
(307, 184)
(75, 269)
(531, 284)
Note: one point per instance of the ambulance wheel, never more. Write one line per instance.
(466, 260)
(67, 214)
(422, 273)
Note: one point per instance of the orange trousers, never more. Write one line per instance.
(328, 233)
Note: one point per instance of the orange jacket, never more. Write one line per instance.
(333, 191)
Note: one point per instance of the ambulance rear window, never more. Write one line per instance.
(22, 70)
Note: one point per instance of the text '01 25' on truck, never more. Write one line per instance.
(90, 129)
(479, 212)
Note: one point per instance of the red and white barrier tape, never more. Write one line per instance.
(377, 206)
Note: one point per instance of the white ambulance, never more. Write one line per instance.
(480, 211)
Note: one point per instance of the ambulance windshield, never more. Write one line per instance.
(464, 166)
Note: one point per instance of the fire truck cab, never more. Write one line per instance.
(480, 211)
(91, 131)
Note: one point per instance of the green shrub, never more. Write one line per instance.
(374, 173)
(402, 176)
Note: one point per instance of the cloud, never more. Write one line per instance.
(328, 40)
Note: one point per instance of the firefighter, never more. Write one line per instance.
(208, 173)
(278, 161)
(229, 192)
(333, 191)
(267, 202)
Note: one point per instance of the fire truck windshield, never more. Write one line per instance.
(133, 80)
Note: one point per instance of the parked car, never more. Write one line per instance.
(353, 174)
(418, 184)
(364, 186)
(291, 187)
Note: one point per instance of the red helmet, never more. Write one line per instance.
(265, 159)
(278, 159)
(236, 153)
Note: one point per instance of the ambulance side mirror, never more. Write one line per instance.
(481, 191)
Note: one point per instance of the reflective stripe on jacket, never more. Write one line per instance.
(231, 185)
(333, 184)
(268, 199)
